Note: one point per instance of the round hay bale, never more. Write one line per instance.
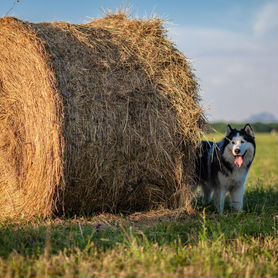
(102, 116)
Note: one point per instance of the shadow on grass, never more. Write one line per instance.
(261, 200)
(36, 239)
(256, 200)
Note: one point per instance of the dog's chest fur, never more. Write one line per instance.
(232, 180)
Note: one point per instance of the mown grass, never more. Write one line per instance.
(200, 245)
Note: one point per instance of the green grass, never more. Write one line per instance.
(200, 245)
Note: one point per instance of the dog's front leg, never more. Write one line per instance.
(207, 194)
(219, 199)
(237, 198)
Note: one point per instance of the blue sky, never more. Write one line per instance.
(232, 44)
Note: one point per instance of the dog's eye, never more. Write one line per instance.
(233, 142)
(242, 142)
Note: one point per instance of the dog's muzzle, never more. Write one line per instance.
(239, 159)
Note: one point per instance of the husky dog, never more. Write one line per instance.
(223, 167)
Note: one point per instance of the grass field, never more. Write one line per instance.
(156, 244)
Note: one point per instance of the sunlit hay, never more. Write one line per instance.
(102, 116)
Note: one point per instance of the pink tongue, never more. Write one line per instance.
(238, 161)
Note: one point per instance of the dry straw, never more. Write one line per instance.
(102, 116)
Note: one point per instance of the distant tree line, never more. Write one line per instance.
(258, 127)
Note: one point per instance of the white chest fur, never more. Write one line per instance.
(234, 180)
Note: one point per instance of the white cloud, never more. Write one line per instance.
(238, 71)
(266, 19)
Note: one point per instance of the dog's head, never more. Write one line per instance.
(239, 146)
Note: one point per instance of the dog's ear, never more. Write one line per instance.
(248, 130)
(229, 130)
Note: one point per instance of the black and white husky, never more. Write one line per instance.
(223, 167)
